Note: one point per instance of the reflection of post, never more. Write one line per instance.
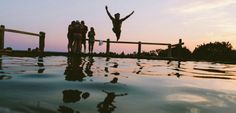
(40, 64)
(0, 62)
(2, 27)
(41, 41)
(139, 47)
(108, 46)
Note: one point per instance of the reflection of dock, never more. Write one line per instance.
(40, 51)
(36, 54)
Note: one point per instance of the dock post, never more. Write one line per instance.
(179, 48)
(169, 51)
(108, 47)
(139, 48)
(2, 27)
(41, 41)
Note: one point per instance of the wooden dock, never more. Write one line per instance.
(41, 46)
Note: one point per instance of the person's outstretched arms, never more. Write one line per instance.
(123, 19)
(108, 13)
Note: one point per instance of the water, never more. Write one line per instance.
(101, 85)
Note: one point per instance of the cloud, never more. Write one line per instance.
(205, 5)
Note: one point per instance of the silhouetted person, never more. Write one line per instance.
(107, 105)
(91, 36)
(117, 22)
(84, 30)
(70, 36)
(78, 37)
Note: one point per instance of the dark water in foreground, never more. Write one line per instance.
(100, 85)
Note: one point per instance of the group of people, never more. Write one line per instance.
(77, 33)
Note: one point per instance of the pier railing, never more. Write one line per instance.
(41, 36)
(170, 46)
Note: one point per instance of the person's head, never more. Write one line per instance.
(73, 22)
(117, 16)
(82, 22)
(77, 22)
(91, 29)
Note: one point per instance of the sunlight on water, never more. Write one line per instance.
(112, 85)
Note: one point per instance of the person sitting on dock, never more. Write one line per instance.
(91, 36)
(117, 22)
(84, 30)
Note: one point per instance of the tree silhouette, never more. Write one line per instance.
(214, 51)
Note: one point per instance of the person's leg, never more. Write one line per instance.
(117, 32)
(92, 47)
(89, 47)
(84, 43)
(118, 35)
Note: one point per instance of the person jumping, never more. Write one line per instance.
(117, 22)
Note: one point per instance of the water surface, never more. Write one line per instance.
(102, 85)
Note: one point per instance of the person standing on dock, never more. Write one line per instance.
(91, 36)
(70, 36)
(84, 30)
(117, 22)
(78, 37)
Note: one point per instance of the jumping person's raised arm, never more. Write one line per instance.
(108, 13)
(123, 19)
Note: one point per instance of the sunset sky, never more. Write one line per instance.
(195, 21)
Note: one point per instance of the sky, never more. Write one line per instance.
(162, 21)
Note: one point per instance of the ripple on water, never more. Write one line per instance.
(184, 97)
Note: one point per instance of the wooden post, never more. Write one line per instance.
(108, 46)
(169, 51)
(179, 48)
(139, 48)
(2, 27)
(41, 41)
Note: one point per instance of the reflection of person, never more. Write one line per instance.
(117, 22)
(84, 30)
(74, 69)
(88, 70)
(107, 105)
(91, 36)
(64, 109)
(72, 96)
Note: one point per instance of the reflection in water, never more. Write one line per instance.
(72, 96)
(114, 80)
(140, 67)
(89, 64)
(5, 77)
(74, 69)
(0, 62)
(40, 64)
(107, 105)
(64, 109)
